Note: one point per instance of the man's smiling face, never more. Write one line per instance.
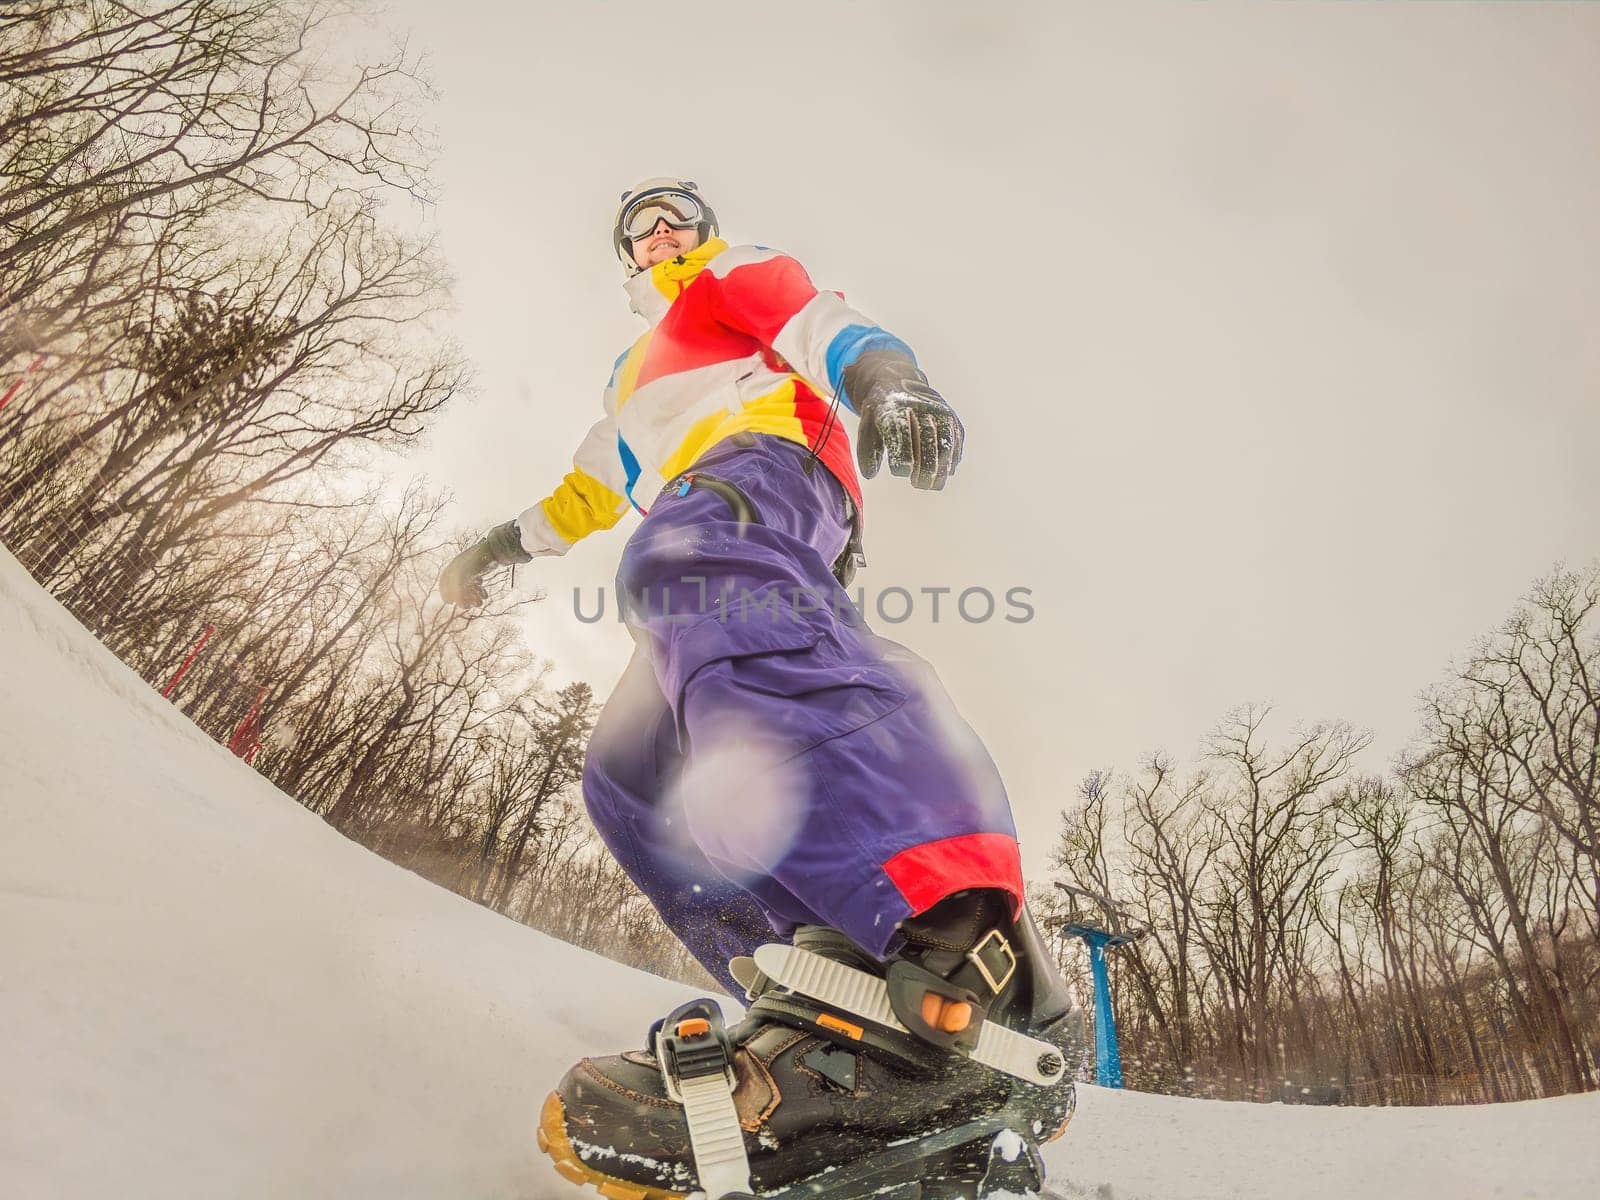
(663, 242)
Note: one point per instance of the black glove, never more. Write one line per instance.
(461, 583)
(900, 413)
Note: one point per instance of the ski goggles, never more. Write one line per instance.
(679, 209)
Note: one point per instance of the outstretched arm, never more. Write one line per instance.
(841, 352)
(589, 498)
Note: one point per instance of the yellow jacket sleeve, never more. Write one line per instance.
(589, 498)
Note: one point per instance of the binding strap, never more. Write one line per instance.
(856, 992)
(696, 1060)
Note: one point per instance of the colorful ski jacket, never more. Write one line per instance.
(739, 341)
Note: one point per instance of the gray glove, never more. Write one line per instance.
(903, 416)
(461, 582)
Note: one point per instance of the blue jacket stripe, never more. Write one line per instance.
(631, 470)
(616, 367)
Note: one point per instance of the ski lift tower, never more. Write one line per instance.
(1099, 935)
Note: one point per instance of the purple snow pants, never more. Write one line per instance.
(766, 761)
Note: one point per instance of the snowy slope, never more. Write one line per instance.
(206, 992)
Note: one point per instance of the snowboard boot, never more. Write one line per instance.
(932, 1076)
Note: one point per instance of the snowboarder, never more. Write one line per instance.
(797, 797)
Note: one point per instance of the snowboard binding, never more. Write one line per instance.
(932, 1077)
(973, 1161)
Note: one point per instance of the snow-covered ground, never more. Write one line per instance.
(206, 992)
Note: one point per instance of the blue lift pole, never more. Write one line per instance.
(1107, 1058)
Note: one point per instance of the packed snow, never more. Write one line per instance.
(207, 992)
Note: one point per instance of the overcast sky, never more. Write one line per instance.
(1273, 327)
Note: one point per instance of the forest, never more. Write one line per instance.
(1316, 933)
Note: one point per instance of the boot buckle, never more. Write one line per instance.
(1008, 960)
(692, 1048)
